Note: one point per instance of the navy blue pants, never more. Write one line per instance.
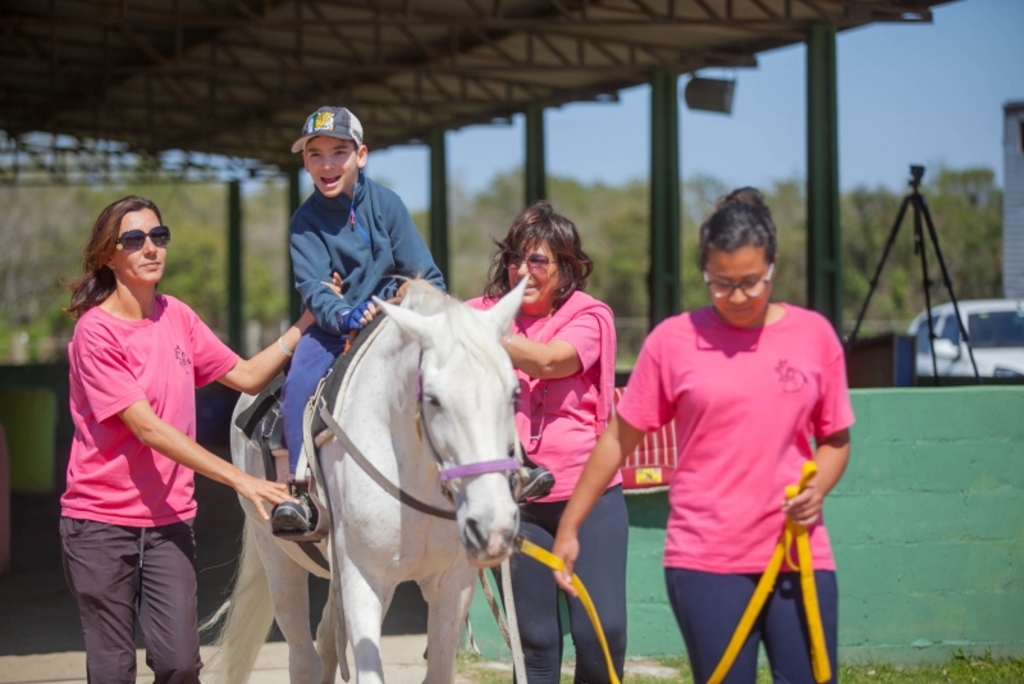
(312, 358)
(708, 606)
(601, 567)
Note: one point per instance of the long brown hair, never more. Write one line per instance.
(96, 282)
(539, 223)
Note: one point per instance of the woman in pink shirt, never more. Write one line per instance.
(136, 357)
(562, 346)
(749, 383)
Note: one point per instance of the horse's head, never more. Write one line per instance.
(466, 394)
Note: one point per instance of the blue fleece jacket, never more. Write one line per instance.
(367, 240)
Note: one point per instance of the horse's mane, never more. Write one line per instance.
(424, 298)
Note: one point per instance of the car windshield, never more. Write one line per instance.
(997, 329)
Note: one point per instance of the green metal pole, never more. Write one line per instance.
(665, 289)
(294, 298)
(824, 272)
(439, 203)
(236, 339)
(536, 174)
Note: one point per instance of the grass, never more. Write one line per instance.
(960, 669)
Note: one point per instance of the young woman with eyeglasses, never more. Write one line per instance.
(136, 357)
(562, 346)
(756, 388)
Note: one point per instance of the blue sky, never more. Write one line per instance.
(910, 93)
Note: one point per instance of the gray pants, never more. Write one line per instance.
(117, 573)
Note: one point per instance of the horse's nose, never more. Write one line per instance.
(475, 533)
(492, 539)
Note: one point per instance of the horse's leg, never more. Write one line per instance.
(448, 598)
(289, 592)
(366, 601)
(330, 637)
(334, 620)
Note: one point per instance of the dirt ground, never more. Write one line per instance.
(38, 615)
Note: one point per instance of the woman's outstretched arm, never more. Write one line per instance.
(168, 440)
(252, 375)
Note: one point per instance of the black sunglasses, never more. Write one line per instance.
(134, 239)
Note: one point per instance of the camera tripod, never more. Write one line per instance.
(916, 200)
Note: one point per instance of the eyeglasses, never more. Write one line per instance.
(751, 288)
(537, 263)
(133, 240)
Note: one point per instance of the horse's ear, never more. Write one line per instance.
(415, 324)
(502, 313)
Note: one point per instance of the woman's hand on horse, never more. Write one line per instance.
(335, 283)
(257, 490)
(804, 508)
(566, 547)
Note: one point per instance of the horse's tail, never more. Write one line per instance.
(249, 617)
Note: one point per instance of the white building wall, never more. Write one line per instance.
(1013, 201)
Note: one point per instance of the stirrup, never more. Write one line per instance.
(318, 517)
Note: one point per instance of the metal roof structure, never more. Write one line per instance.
(237, 77)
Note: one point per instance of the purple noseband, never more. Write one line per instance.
(479, 468)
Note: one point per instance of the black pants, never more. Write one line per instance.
(118, 573)
(708, 607)
(601, 567)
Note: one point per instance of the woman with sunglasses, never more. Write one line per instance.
(749, 384)
(136, 357)
(562, 346)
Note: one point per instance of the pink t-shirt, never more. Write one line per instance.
(561, 414)
(746, 403)
(112, 477)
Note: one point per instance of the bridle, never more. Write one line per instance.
(454, 472)
(447, 474)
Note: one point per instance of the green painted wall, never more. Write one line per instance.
(927, 527)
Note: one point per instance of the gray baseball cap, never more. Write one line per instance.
(334, 122)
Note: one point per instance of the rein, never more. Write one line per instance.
(378, 477)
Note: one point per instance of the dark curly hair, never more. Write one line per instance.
(741, 219)
(539, 223)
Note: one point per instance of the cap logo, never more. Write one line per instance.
(323, 121)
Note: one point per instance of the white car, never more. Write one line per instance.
(996, 330)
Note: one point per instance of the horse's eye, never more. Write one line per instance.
(433, 401)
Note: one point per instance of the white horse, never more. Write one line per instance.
(430, 401)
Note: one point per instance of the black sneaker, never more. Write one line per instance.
(291, 517)
(530, 484)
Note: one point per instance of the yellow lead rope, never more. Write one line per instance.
(819, 655)
(545, 557)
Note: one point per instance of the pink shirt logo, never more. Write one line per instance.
(183, 359)
(792, 380)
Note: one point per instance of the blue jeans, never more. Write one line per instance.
(312, 358)
(708, 607)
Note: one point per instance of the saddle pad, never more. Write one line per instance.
(249, 418)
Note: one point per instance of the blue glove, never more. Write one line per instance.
(350, 319)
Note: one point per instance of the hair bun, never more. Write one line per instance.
(748, 196)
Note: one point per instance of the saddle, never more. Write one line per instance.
(263, 425)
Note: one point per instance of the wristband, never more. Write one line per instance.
(506, 340)
(285, 349)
